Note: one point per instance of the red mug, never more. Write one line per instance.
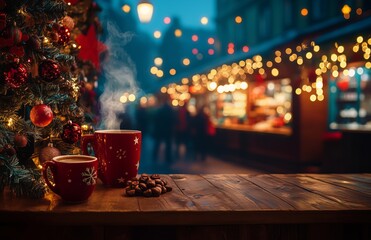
(73, 177)
(118, 153)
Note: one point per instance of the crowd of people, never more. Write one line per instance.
(176, 132)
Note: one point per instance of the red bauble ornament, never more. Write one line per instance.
(10, 36)
(15, 75)
(64, 35)
(20, 140)
(47, 153)
(9, 150)
(49, 70)
(71, 132)
(41, 115)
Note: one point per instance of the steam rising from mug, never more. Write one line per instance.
(119, 72)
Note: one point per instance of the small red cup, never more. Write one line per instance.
(72, 177)
(118, 153)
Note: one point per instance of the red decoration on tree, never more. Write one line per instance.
(68, 22)
(49, 70)
(72, 2)
(91, 48)
(2, 21)
(71, 132)
(20, 140)
(10, 36)
(9, 150)
(64, 35)
(15, 75)
(41, 115)
(47, 153)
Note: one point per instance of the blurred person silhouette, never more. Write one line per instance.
(163, 130)
(203, 130)
(182, 131)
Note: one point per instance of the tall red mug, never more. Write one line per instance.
(118, 153)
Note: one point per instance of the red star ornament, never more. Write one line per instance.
(91, 47)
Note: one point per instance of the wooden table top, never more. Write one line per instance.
(210, 199)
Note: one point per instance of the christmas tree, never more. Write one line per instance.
(39, 88)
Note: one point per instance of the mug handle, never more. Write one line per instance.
(85, 140)
(53, 169)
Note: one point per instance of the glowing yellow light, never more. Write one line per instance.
(335, 73)
(334, 57)
(319, 91)
(304, 12)
(298, 48)
(346, 9)
(277, 59)
(123, 99)
(261, 71)
(269, 64)
(287, 117)
(172, 71)
(308, 55)
(131, 97)
(316, 48)
(156, 34)
(321, 97)
(238, 19)
(212, 86)
(186, 61)
(160, 73)
(340, 49)
(143, 100)
(204, 20)
(319, 84)
(126, 8)
(185, 80)
(163, 89)
(158, 61)
(178, 33)
(244, 85)
(175, 102)
(368, 65)
(10, 122)
(313, 97)
(298, 91)
(153, 70)
(288, 51)
(343, 64)
(359, 39)
(359, 11)
(275, 72)
(299, 61)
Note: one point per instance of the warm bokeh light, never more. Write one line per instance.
(211, 51)
(210, 40)
(167, 20)
(123, 99)
(126, 8)
(158, 61)
(245, 49)
(186, 61)
(194, 38)
(346, 9)
(157, 34)
(204, 20)
(194, 51)
(238, 19)
(131, 97)
(304, 12)
(178, 33)
(172, 71)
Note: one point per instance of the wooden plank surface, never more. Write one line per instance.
(210, 199)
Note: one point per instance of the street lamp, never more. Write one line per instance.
(145, 10)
